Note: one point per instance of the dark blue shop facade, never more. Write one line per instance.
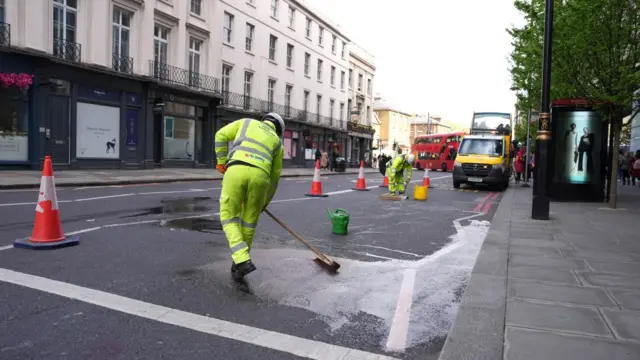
(90, 117)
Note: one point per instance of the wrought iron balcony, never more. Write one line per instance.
(67, 50)
(174, 75)
(5, 34)
(122, 64)
(235, 101)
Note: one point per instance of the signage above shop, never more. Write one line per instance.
(89, 92)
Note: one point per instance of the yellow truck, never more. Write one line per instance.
(484, 156)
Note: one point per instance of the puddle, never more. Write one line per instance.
(177, 206)
(194, 224)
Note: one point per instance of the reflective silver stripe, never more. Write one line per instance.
(234, 220)
(247, 225)
(220, 144)
(243, 134)
(243, 137)
(239, 247)
(221, 154)
(275, 152)
(259, 144)
(252, 151)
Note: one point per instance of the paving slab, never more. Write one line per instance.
(477, 334)
(524, 344)
(542, 274)
(600, 255)
(535, 251)
(627, 299)
(610, 280)
(625, 324)
(540, 243)
(615, 267)
(556, 317)
(579, 295)
(547, 262)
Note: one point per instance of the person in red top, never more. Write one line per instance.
(634, 168)
(519, 164)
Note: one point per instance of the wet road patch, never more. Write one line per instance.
(177, 206)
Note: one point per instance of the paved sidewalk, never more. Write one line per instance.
(28, 178)
(568, 288)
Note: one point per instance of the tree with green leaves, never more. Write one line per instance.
(596, 56)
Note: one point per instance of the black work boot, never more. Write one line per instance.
(238, 271)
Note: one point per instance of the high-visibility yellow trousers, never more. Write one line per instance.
(396, 180)
(243, 196)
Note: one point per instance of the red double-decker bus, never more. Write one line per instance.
(436, 151)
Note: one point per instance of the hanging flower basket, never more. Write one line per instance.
(22, 80)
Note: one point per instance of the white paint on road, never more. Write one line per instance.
(397, 340)
(7, 247)
(103, 197)
(251, 335)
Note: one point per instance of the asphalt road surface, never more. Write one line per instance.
(150, 278)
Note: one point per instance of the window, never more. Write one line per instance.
(307, 60)
(320, 35)
(332, 104)
(344, 48)
(2, 15)
(332, 81)
(64, 27)
(319, 70)
(228, 27)
(194, 55)
(292, 17)
(350, 78)
(288, 89)
(341, 111)
(120, 42)
(368, 115)
(273, 42)
(349, 108)
(308, 29)
(271, 92)
(226, 78)
(160, 44)
(342, 74)
(334, 44)
(359, 82)
(248, 80)
(274, 8)
(368, 86)
(248, 43)
(289, 56)
(196, 7)
(318, 104)
(305, 103)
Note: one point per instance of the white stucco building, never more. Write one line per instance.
(360, 102)
(163, 75)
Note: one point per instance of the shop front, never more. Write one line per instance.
(359, 143)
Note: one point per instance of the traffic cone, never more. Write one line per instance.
(316, 185)
(385, 182)
(426, 181)
(360, 184)
(47, 230)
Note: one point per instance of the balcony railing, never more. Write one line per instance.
(67, 50)
(174, 75)
(233, 100)
(5, 34)
(122, 64)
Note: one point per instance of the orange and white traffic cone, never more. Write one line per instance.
(316, 185)
(426, 181)
(385, 182)
(360, 183)
(47, 230)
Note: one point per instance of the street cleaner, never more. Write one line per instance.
(251, 169)
(396, 172)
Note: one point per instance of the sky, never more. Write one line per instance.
(448, 58)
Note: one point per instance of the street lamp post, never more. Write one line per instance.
(528, 150)
(540, 204)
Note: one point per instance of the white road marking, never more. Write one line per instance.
(397, 340)
(269, 339)
(387, 249)
(7, 247)
(102, 197)
(84, 230)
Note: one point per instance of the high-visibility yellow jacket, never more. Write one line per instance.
(398, 165)
(253, 142)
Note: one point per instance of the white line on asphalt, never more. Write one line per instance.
(251, 335)
(387, 249)
(103, 197)
(397, 340)
(7, 247)
(371, 255)
(84, 231)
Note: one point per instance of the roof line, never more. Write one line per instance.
(319, 18)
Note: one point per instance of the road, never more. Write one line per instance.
(150, 278)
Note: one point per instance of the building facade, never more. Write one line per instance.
(360, 80)
(394, 128)
(634, 143)
(425, 124)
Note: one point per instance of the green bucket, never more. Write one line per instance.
(339, 221)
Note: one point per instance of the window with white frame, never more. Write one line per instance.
(274, 8)
(332, 104)
(307, 61)
(121, 31)
(334, 44)
(160, 44)
(248, 83)
(195, 48)
(305, 101)
(318, 104)
(289, 56)
(368, 115)
(332, 80)
(350, 78)
(344, 48)
(341, 111)
(196, 7)
(359, 82)
(226, 77)
(342, 75)
(248, 42)
(288, 90)
(228, 27)
(273, 43)
(320, 35)
(65, 13)
(292, 17)
(319, 70)
(2, 11)
(271, 93)
(349, 103)
(307, 28)
(368, 86)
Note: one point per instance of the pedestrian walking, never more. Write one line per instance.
(625, 166)
(635, 169)
(519, 164)
(396, 168)
(251, 171)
